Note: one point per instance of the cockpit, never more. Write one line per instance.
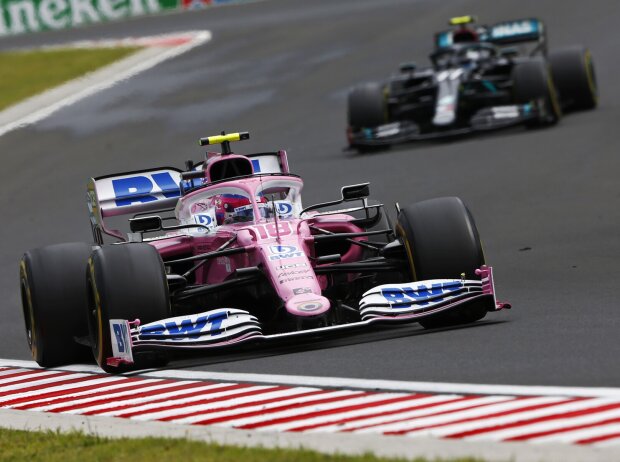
(253, 200)
(462, 55)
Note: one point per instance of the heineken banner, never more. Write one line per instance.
(19, 16)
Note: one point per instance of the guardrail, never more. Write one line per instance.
(21, 16)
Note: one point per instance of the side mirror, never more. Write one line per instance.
(192, 175)
(145, 224)
(355, 191)
(408, 67)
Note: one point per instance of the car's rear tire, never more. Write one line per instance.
(442, 242)
(53, 293)
(126, 281)
(532, 81)
(367, 106)
(575, 79)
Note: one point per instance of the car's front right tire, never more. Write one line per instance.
(442, 242)
(575, 79)
(367, 106)
(533, 82)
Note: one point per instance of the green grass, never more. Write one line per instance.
(27, 73)
(56, 447)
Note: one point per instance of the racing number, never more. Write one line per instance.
(270, 230)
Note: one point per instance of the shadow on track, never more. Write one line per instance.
(244, 353)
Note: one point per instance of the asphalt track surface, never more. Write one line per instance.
(546, 201)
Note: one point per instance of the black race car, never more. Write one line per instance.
(479, 80)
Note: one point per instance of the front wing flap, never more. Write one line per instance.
(226, 327)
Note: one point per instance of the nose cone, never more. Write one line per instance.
(307, 305)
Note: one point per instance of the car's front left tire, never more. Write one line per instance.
(125, 281)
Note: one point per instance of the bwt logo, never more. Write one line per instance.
(284, 251)
(206, 220)
(120, 333)
(144, 188)
(186, 328)
(203, 219)
(285, 209)
(420, 293)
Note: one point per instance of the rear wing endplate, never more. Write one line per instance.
(130, 193)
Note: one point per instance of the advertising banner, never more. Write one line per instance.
(19, 16)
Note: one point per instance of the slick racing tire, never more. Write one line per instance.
(442, 242)
(126, 281)
(532, 82)
(53, 293)
(366, 106)
(575, 79)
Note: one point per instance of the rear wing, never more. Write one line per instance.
(504, 33)
(154, 190)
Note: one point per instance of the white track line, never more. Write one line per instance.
(483, 423)
(143, 387)
(215, 395)
(41, 106)
(156, 400)
(324, 420)
(555, 424)
(485, 405)
(115, 384)
(211, 410)
(46, 380)
(572, 436)
(431, 404)
(147, 407)
(346, 382)
(65, 387)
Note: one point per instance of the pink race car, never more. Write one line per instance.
(225, 253)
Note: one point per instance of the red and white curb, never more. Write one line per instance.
(156, 49)
(568, 416)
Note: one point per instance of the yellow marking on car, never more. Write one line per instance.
(459, 20)
(590, 75)
(219, 139)
(401, 232)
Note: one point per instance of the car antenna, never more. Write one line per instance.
(225, 145)
(275, 217)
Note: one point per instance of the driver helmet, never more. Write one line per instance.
(232, 208)
(465, 34)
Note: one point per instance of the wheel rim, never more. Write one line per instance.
(94, 314)
(28, 310)
(591, 76)
(401, 232)
(553, 99)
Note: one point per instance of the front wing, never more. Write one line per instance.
(487, 119)
(225, 327)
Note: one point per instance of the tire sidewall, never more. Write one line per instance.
(54, 297)
(440, 238)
